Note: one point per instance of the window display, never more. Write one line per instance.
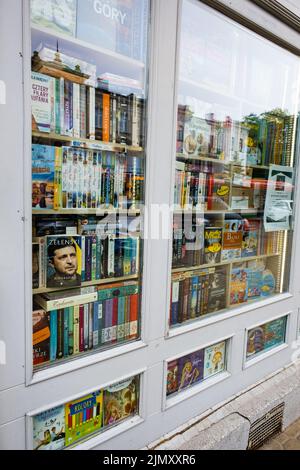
(88, 101)
(264, 337)
(237, 132)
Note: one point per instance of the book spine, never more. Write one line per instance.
(42, 262)
(95, 307)
(103, 314)
(114, 117)
(121, 319)
(57, 106)
(127, 257)
(98, 257)
(76, 110)
(134, 308)
(91, 324)
(123, 119)
(62, 106)
(88, 258)
(94, 258)
(108, 320)
(91, 112)
(76, 329)
(57, 178)
(114, 320)
(86, 327)
(53, 335)
(106, 117)
(111, 257)
(127, 317)
(60, 333)
(83, 112)
(98, 113)
(175, 300)
(52, 92)
(66, 332)
(81, 328)
(104, 259)
(83, 243)
(100, 322)
(71, 331)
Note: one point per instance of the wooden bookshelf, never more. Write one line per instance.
(99, 282)
(222, 263)
(87, 143)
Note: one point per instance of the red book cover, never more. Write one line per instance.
(134, 307)
(81, 328)
(210, 187)
(106, 117)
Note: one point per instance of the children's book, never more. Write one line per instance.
(214, 359)
(251, 231)
(232, 239)
(238, 286)
(120, 401)
(275, 332)
(190, 369)
(49, 429)
(83, 416)
(212, 245)
(172, 377)
(43, 157)
(255, 340)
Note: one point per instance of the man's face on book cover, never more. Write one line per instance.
(65, 261)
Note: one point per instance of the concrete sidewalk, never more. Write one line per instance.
(289, 439)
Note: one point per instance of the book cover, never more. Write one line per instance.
(49, 429)
(40, 337)
(254, 282)
(35, 265)
(217, 290)
(172, 377)
(214, 359)
(41, 102)
(212, 245)
(255, 340)
(268, 283)
(83, 416)
(232, 239)
(196, 137)
(43, 163)
(190, 369)
(64, 261)
(120, 401)
(220, 191)
(275, 333)
(251, 231)
(238, 286)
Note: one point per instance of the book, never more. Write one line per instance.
(40, 337)
(49, 429)
(214, 359)
(41, 101)
(120, 401)
(83, 416)
(251, 236)
(255, 341)
(48, 302)
(172, 377)
(43, 158)
(212, 245)
(190, 369)
(238, 286)
(64, 261)
(217, 289)
(232, 239)
(196, 136)
(35, 265)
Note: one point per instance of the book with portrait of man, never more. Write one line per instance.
(63, 261)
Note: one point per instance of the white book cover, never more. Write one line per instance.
(41, 102)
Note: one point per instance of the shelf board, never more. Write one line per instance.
(83, 45)
(227, 211)
(222, 263)
(109, 280)
(219, 162)
(87, 143)
(98, 211)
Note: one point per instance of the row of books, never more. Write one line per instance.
(258, 140)
(195, 367)
(67, 261)
(66, 424)
(77, 110)
(195, 243)
(200, 292)
(197, 293)
(74, 178)
(69, 325)
(201, 185)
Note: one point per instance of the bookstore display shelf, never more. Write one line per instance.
(97, 282)
(223, 263)
(87, 143)
(96, 211)
(220, 162)
(45, 35)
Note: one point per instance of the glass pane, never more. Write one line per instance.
(67, 424)
(237, 129)
(89, 69)
(264, 337)
(196, 367)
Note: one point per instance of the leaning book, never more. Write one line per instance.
(49, 429)
(63, 261)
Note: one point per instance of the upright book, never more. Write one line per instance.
(64, 261)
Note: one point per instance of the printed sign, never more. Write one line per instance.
(279, 199)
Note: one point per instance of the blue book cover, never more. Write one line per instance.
(43, 160)
(95, 324)
(98, 257)
(108, 320)
(53, 335)
(121, 319)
